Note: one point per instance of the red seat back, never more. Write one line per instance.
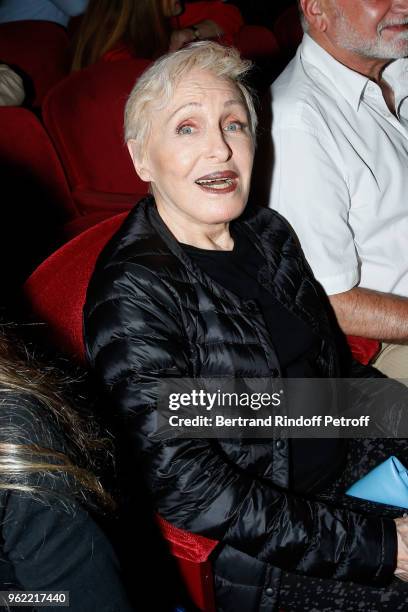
(84, 117)
(39, 49)
(56, 290)
(35, 198)
(25, 146)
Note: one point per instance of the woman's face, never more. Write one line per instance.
(200, 152)
(172, 8)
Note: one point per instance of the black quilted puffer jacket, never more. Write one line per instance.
(151, 313)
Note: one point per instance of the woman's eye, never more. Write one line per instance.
(234, 126)
(185, 129)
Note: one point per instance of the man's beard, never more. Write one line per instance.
(348, 38)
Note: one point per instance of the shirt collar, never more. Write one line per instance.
(350, 83)
(396, 74)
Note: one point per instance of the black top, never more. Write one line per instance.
(314, 462)
(49, 541)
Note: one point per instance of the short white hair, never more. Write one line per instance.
(154, 89)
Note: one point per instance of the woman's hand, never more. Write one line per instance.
(207, 29)
(402, 555)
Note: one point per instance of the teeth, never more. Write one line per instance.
(215, 182)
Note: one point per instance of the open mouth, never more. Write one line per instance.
(218, 182)
(396, 27)
(215, 183)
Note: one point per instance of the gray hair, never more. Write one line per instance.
(303, 20)
(155, 87)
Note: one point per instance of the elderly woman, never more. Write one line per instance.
(194, 285)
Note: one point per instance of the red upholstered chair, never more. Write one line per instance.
(25, 145)
(84, 117)
(35, 196)
(55, 293)
(80, 224)
(288, 31)
(39, 49)
(56, 290)
(363, 349)
(32, 172)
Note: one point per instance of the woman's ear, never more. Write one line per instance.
(141, 165)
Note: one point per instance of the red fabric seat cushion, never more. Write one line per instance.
(26, 147)
(39, 49)
(363, 349)
(84, 117)
(90, 201)
(56, 290)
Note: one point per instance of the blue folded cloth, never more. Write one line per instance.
(385, 484)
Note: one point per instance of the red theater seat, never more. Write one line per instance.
(39, 49)
(84, 117)
(363, 349)
(26, 147)
(55, 293)
(32, 172)
(35, 202)
(56, 290)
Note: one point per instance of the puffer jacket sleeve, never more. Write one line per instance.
(135, 335)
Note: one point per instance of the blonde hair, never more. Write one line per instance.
(33, 393)
(155, 87)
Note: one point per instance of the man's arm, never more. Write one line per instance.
(310, 189)
(372, 314)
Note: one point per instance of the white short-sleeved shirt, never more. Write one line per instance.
(58, 11)
(341, 170)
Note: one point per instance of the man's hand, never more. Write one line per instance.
(372, 314)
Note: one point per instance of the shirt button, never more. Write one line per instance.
(279, 444)
(251, 306)
(269, 591)
(274, 372)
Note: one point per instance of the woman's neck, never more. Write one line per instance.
(214, 237)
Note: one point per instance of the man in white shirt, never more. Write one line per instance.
(340, 132)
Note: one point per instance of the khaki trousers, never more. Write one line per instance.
(392, 360)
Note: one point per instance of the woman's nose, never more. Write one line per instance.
(217, 146)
